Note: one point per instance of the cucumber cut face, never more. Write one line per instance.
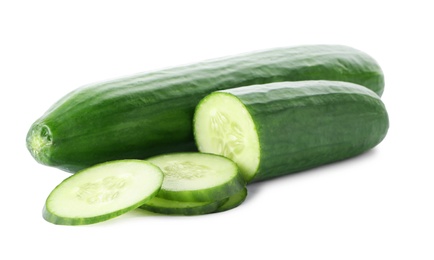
(223, 126)
(102, 192)
(279, 128)
(197, 177)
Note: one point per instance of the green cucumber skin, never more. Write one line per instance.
(305, 124)
(157, 205)
(233, 201)
(59, 220)
(151, 113)
(212, 194)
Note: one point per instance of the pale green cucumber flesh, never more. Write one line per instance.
(197, 176)
(102, 192)
(233, 201)
(223, 126)
(172, 207)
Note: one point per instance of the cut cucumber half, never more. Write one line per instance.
(223, 125)
(233, 201)
(275, 129)
(172, 207)
(102, 192)
(197, 177)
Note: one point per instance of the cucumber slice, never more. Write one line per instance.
(172, 207)
(233, 201)
(223, 125)
(197, 177)
(102, 192)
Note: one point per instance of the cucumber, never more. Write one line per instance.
(197, 177)
(151, 113)
(274, 129)
(233, 201)
(102, 192)
(172, 207)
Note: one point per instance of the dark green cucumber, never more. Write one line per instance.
(279, 128)
(151, 113)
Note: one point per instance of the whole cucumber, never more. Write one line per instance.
(151, 113)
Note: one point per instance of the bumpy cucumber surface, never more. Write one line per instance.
(279, 128)
(102, 192)
(150, 113)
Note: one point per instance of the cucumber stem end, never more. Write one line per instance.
(39, 139)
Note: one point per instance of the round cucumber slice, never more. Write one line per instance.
(223, 125)
(102, 192)
(233, 201)
(172, 207)
(197, 177)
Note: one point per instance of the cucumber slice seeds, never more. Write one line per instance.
(197, 177)
(102, 192)
(223, 126)
(174, 184)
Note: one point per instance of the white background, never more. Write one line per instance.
(379, 205)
